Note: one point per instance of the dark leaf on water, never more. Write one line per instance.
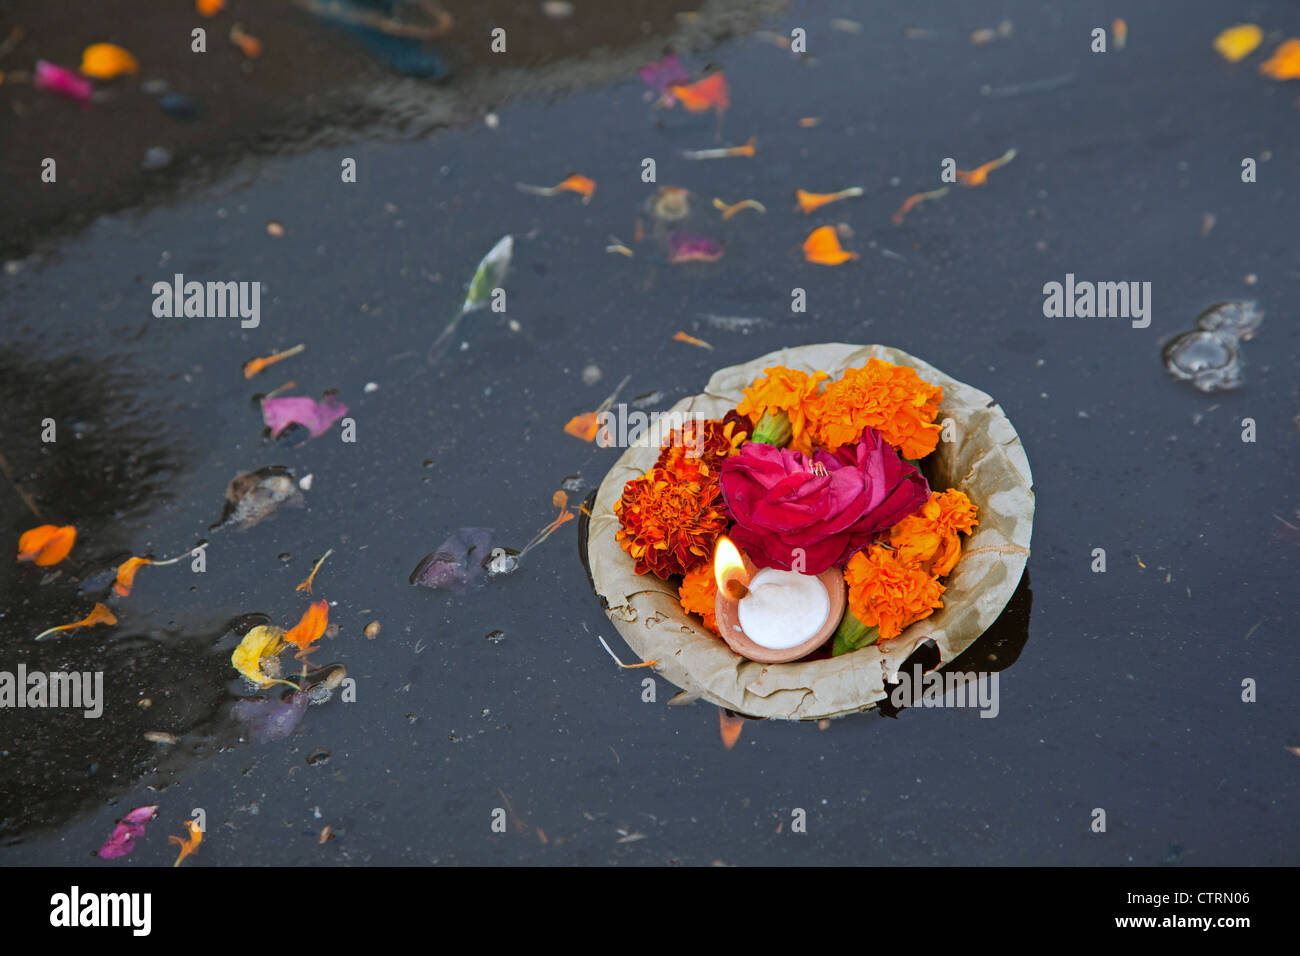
(456, 562)
(272, 719)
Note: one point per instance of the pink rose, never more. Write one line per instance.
(827, 505)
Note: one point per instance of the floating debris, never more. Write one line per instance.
(161, 737)
(663, 74)
(691, 340)
(155, 158)
(979, 175)
(272, 719)
(191, 843)
(914, 200)
(582, 185)
(321, 683)
(812, 201)
(305, 584)
(688, 248)
(748, 149)
(730, 210)
(99, 614)
(457, 561)
(372, 630)
(670, 203)
(254, 496)
(181, 107)
(489, 275)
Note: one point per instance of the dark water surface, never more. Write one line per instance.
(1126, 694)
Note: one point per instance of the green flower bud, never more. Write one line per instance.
(772, 429)
(852, 634)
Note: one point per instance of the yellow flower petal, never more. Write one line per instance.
(1237, 43)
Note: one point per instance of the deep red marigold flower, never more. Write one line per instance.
(670, 519)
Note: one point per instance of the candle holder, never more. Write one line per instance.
(727, 612)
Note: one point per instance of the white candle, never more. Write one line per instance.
(783, 608)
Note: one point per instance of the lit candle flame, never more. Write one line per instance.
(729, 569)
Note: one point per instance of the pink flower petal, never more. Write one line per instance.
(317, 417)
(56, 79)
(129, 829)
(663, 73)
(687, 248)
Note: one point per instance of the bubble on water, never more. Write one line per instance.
(155, 157)
(572, 483)
(501, 561)
(1208, 360)
(1238, 319)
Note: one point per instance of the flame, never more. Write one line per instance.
(729, 568)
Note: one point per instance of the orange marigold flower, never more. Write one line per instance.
(708, 443)
(699, 592)
(670, 519)
(890, 398)
(786, 390)
(928, 539)
(890, 595)
(47, 544)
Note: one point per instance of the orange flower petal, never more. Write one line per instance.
(703, 95)
(730, 728)
(691, 340)
(812, 201)
(583, 426)
(126, 572)
(1284, 64)
(47, 544)
(823, 247)
(107, 60)
(309, 629)
(582, 185)
(913, 200)
(209, 8)
(248, 44)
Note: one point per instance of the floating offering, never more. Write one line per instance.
(824, 491)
